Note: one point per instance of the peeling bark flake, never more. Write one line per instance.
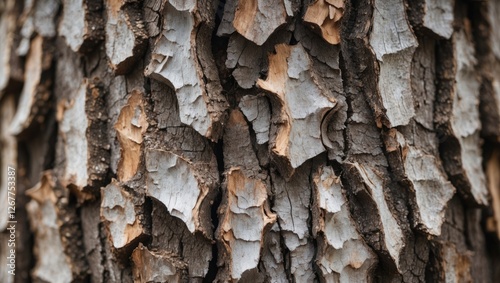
(173, 181)
(125, 35)
(122, 218)
(342, 255)
(256, 20)
(245, 211)
(292, 204)
(130, 127)
(324, 17)
(81, 117)
(300, 103)
(258, 112)
(427, 180)
(393, 43)
(180, 59)
(245, 219)
(439, 17)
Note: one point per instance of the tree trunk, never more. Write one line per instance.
(250, 141)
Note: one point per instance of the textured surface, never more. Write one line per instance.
(298, 122)
(251, 141)
(125, 35)
(81, 24)
(176, 61)
(343, 256)
(393, 47)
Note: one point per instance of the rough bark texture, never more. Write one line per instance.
(251, 140)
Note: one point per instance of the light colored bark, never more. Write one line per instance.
(393, 234)
(297, 136)
(177, 60)
(467, 127)
(257, 110)
(394, 49)
(244, 222)
(456, 266)
(125, 35)
(188, 189)
(81, 116)
(74, 123)
(272, 257)
(292, 204)
(439, 17)
(248, 59)
(342, 255)
(426, 178)
(120, 211)
(81, 24)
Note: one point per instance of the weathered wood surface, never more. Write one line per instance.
(251, 141)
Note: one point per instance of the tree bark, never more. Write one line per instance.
(251, 141)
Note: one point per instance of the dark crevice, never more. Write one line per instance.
(293, 40)
(320, 159)
(219, 13)
(148, 221)
(218, 149)
(349, 112)
(283, 248)
(219, 46)
(102, 240)
(25, 262)
(50, 156)
(212, 266)
(433, 269)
